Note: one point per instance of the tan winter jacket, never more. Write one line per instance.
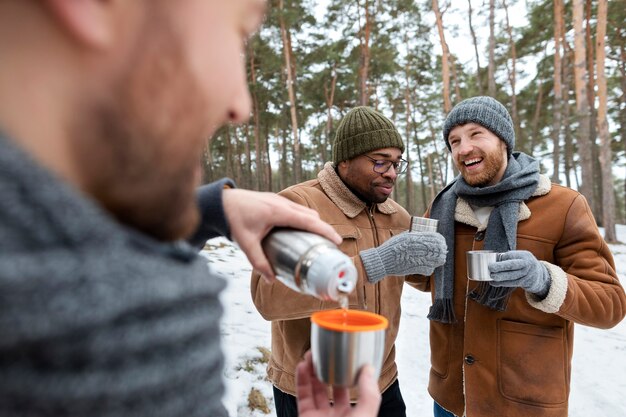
(361, 228)
(517, 362)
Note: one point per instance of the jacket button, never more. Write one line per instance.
(469, 359)
(479, 235)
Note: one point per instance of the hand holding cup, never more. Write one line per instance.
(520, 268)
(478, 262)
(313, 399)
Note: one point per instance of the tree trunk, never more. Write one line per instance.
(256, 119)
(238, 157)
(410, 200)
(622, 112)
(491, 70)
(419, 159)
(445, 66)
(248, 183)
(512, 72)
(443, 170)
(284, 166)
(364, 60)
(373, 91)
(622, 69)
(556, 122)
(622, 99)
(538, 104)
(267, 163)
(595, 150)
(621, 66)
(207, 162)
(582, 104)
(606, 159)
(568, 157)
(329, 95)
(590, 70)
(479, 83)
(457, 86)
(291, 76)
(431, 177)
(229, 152)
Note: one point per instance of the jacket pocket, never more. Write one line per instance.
(532, 363)
(348, 232)
(440, 336)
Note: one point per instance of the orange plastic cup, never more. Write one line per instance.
(343, 341)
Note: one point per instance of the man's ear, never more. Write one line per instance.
(89, 22)
(342, 166)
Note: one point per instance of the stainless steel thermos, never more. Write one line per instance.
(309, 263)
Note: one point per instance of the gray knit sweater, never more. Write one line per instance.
(96, 319)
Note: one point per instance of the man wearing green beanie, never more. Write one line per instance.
(351, 193)
(504, 346)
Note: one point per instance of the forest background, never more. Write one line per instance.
(558, 66)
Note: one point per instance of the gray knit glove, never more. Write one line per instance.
(405, 254)
(520, 268)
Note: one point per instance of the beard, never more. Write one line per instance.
(363, 183)
(140, 151)
(375, 196)
(492, 161)
(365, 192)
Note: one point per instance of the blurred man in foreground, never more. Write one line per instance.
(104, 109)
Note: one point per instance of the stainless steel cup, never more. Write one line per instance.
(342, 341)
(423, 224)
(478, 264)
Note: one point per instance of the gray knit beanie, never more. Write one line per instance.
(486, 112)
(362, 130)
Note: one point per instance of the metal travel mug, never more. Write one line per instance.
(343, 341)
(478, 264)
(423, 224)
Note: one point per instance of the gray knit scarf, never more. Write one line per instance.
(517, 185)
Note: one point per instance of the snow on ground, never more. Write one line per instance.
(598, 369)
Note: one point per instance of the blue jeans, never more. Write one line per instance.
(439, 411)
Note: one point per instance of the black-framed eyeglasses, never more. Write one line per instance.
(382, 165)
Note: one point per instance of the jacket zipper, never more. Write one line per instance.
(370, 213)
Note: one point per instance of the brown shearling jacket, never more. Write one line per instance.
(517, 362)
(361, 227)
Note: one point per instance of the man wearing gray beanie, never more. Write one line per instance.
(352, 194)
(504, 346)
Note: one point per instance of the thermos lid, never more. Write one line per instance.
(330, 274)
(349, 320)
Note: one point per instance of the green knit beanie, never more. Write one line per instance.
(363, 130)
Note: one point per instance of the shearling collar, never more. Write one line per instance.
(343, 198)
(465, 214)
